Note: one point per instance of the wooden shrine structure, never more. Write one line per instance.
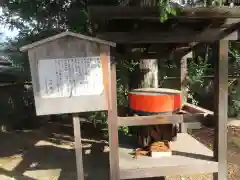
(137, 27)
(132, 28)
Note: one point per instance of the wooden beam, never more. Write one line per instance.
(231, 21)
(78, 146)
(221, 111)
(166, 37)
(230, 77)
(149, 120)
(191, 108)
(156, 51)
(151, 13)
(113, 125)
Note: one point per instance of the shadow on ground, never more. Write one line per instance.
(48, 154)
(45, 155)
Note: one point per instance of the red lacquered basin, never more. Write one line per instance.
(155, 100)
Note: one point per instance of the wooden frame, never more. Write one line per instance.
(113, 125)
(209, 36)
(185, 161)
(125, 168)
(151, 13)
(221, 109)
(66, 45)
(150, 120)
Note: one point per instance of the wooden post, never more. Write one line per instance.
(78, 146)
(113, 125)
(221, 108)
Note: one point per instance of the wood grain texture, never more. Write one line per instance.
(152, 13)
(64, 34)
(105, 60)
(149, 120)
(113, 125)
(66, 47)
(221, 110)
(191, 108)
(167, 37)
(78, 146)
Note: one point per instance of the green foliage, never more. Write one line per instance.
(165, 9)
(234, 90)
(234, 98)
(196, 70)
(124, 69)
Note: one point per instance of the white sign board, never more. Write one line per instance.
(70, 77)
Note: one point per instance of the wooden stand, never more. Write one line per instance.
(190, 155)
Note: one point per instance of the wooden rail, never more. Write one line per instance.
(188, 114)
(150, 120)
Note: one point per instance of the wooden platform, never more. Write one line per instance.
(189, 157)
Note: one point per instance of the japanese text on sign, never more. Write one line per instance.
(70, 77)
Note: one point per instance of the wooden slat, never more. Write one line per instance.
(149, 120)
(197, 109)
(105, 61)
(78, 146)
(150, 13)
(221, 110)
(166, 37)
(112, 125)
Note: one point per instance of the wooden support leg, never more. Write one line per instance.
(78, 146)
(221, 107)
(113, 126)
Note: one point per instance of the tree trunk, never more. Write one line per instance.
(149, 69)
(146, 76)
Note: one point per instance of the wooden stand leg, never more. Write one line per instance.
(221, 109)
(113, 126)
(78, 146)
